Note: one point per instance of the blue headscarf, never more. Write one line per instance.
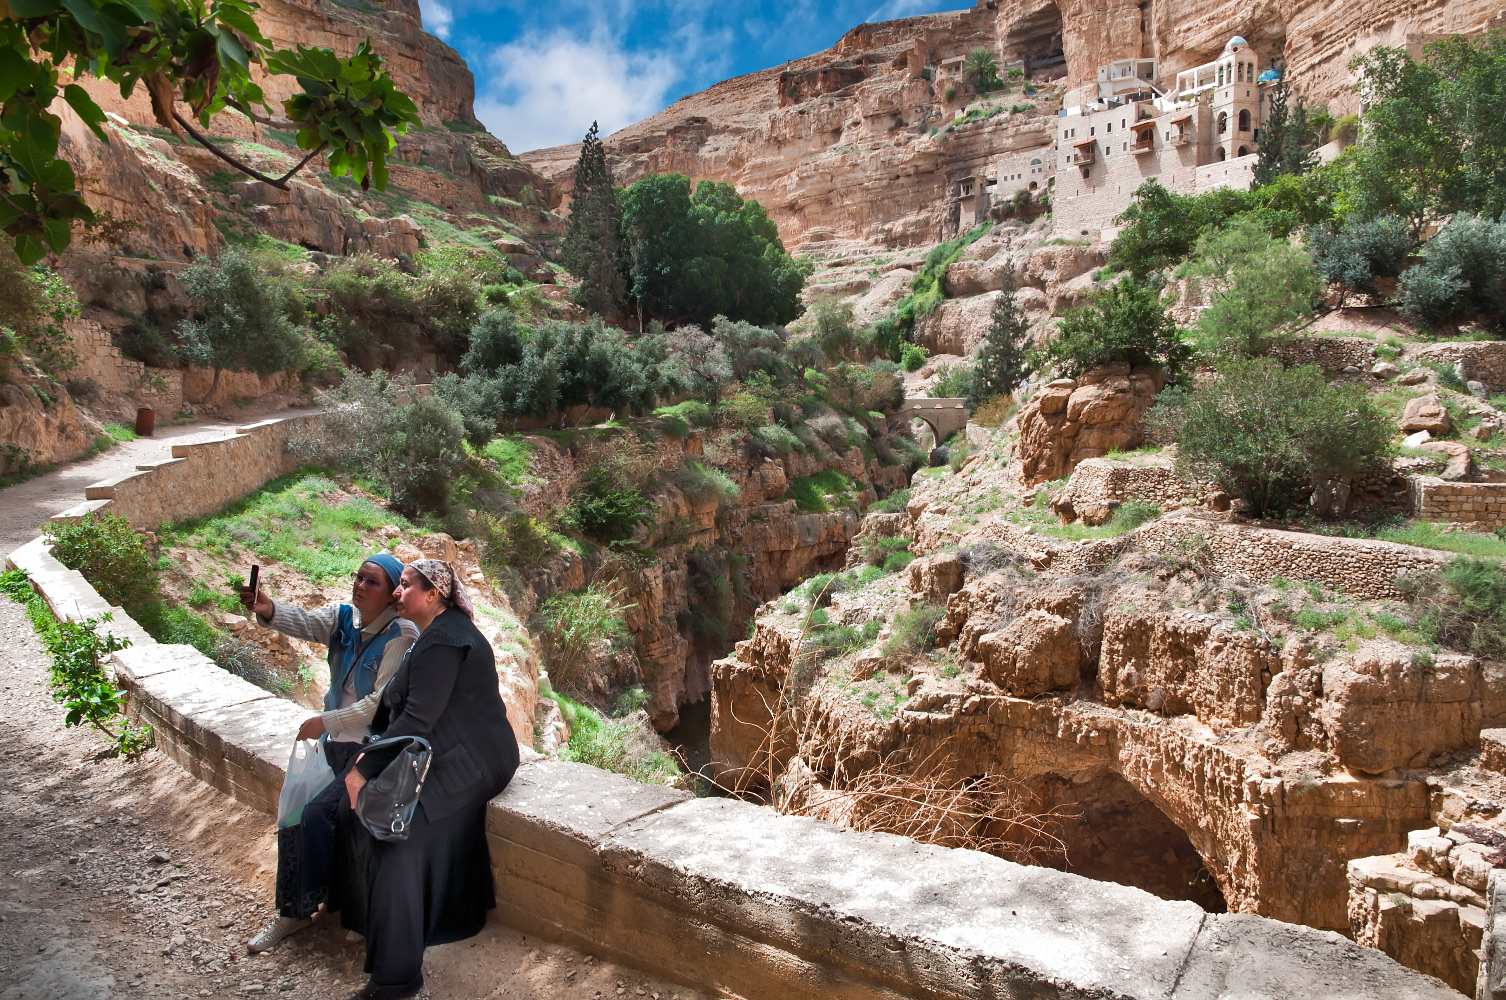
(389, 564)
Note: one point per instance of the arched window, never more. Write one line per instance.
(1223, 122)
(1244, 151)
(1032, 185)
(1244, 120)
(1221, 154)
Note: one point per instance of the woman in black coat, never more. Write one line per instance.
(435, 886)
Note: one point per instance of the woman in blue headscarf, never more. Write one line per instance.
(367, 641)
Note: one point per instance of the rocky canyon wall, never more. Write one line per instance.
(847, 139)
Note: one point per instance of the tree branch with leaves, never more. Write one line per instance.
(195, 52)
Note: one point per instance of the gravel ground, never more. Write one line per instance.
(133, 879)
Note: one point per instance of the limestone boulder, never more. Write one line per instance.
(976, 277)
(958, 325)
(1386, 706)
(1037, 653)
(1456, 456)
(1426, 413)
(937, 577)
(39, 425)
(1069, 421)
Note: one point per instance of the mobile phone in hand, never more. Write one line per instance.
(255, 578)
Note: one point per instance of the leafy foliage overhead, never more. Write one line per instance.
(180, 50)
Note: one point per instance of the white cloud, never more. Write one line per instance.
(437, 17)
(895, 10)
(545, 89)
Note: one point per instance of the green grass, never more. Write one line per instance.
(610, 744)
(1129, 515)
(513, 455)
(289, 521)
(822, 492)
(120, 432)
(1427, 535)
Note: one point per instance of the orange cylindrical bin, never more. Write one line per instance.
(146, 421)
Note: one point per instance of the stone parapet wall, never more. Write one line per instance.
(1481, 505)
(101, 362)
(1331, 354)
(1100, 482)
(200, 478)
(1361, 568)
(1481, 360)
(728, 897)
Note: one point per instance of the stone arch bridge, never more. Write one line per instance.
(945, 417)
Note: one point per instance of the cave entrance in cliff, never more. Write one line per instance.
(1118, 835)
(1036, 38)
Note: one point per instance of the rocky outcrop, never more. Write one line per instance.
(39, 425)
(1070, 420)
(1035, 654)
(1426, 413)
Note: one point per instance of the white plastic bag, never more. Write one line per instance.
(308, 773)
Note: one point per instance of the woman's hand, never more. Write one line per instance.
(353, 784)
(258, 603)
(312, 729)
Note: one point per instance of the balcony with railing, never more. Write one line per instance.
(1145, 140)
(1084, 152)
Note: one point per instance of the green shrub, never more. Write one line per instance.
(1463, 606)
(1001, 364)
(1462, 276)
(914, 629)
(953, 382)
(877, 550)
(81, 678)
(1265, 289)
(608, 507)
(896, 561)
(1267, 434)
(1354, 254)
(1133, 513)
(700, 483)
(912, 356)
(776, 440)
(246, 316)
(577, 620)
(514, 539)
(810, 493)
(1125, 322)
(110, 554)
(895, 503)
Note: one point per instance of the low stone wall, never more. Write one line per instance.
(1482, 360)
(1103, 483)
(1361, 568)
(1481, 505)
(1332, 354)
(730, 898)
(200, 478)
(101, 362)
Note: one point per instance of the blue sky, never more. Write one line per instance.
(545, 70)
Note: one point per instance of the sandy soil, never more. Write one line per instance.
(133, 879)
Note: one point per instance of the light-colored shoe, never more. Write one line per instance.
(279, 928)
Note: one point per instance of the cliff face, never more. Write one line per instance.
(450, 169)
(843, 140)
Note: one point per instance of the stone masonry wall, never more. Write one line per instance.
(101, 362)
(1360, 568)
(1332, 354)
(1483, 360)
(1480, 505)
(200, 478)
(728, 897)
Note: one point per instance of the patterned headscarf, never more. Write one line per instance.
(445, 580)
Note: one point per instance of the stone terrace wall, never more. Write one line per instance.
(1358, 567)
(730, 898)
(101, 362)
(1481, 505)
(1332, 354)
(1101, 481)
(200, 478)
(1483, 360)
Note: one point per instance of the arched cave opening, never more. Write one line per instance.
(1037, 39)
(1113, 833)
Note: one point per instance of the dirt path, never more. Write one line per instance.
(24, 505)
(134, 879)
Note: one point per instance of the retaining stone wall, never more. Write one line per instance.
(1483, 360)
(1332, 354)
(101, 362)
(200, 478)
(1102, 481)
(1480, 505)
(1361, 568)
(728, 897)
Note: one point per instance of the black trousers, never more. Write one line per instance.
(433, 888)
(306, 852)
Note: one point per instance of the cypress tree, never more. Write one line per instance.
(1001, 363)
(1283, 138)
(592, 248)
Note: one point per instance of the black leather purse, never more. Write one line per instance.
(385, 804)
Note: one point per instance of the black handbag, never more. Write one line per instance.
(385, 804)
